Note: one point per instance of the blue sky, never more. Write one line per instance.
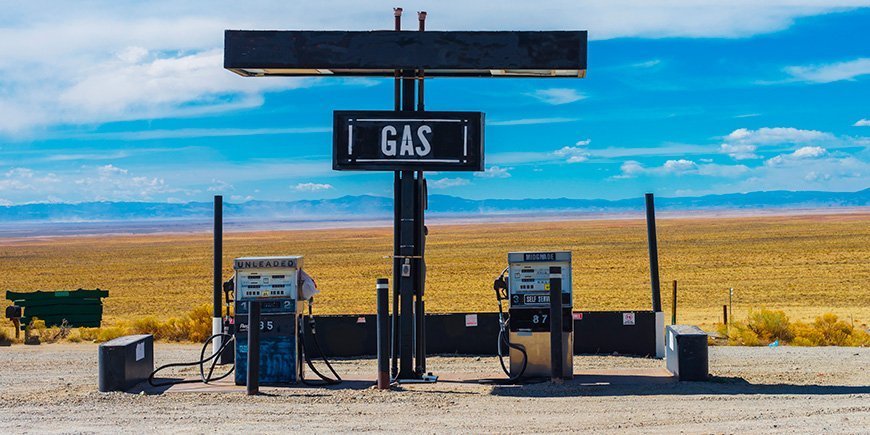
(128, 101)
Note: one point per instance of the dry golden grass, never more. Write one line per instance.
(804, 265)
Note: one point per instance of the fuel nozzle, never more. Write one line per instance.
(500, 287)
(311, 315)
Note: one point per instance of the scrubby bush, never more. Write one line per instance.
(111, 333)
(5, 337)
(770, 325)
(766, 326)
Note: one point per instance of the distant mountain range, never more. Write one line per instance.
(374, 207)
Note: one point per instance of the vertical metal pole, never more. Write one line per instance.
(674, 313)
(383, 302)
(730, 298)
(420, 240)
(556, 369)
(653, 253)
(253, 381)
(217, 276)
(407, 249)
(421, 17)
(397, 202)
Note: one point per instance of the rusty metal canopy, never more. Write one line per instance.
(380, 53)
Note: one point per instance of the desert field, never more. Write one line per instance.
(804, 265)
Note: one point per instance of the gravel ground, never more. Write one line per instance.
(52, 389)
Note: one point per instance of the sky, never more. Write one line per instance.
(128, 101)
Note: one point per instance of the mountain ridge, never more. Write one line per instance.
(370, 206)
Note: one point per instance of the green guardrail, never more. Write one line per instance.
(78, 307)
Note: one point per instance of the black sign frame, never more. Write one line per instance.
(358, 136)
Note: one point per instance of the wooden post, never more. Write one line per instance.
(674, 313)
(725, 317)
(17, 323)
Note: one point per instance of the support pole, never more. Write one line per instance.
(654, 275)
(556, 369)
(407, 250)
(420, 241)
(383, 302)
(674, 312)
(397, 202)
(653, 253)
(253, 377)
(217, 276)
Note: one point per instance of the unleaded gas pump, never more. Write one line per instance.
(272, 281)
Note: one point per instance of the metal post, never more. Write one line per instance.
(730, 299)
(253, 381)
(674, 313)
(406, 279)
(556, 370)
(397, 201)
(653, 253)
(383, 302)
(216, 321)
(420, 241)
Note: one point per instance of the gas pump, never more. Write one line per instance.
(280, 285)
(272, 281)
(525, 285)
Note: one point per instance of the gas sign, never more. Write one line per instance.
(389, 141)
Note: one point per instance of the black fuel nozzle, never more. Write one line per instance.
(228, 289)
(311, 315)
(500, 287)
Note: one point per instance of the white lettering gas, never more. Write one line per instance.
(414, 142)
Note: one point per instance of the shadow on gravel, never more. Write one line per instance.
(230, 387)
(724, 386)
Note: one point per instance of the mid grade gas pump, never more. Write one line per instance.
(525, 330)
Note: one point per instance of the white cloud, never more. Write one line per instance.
(632, 168)
(241, 198)
(647, 64)
(741, 151)
(220, 186)
(494, 172)
(531, 121)
(862, 123)
(445, 183)
(575, 154)
(679, 166)
(742, 144)
(809, 152)
(558, 96)
(832, 72)
(803, 153)
(312, 187)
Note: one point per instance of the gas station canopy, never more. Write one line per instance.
(381, 53)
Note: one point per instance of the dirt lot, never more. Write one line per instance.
(52, 389)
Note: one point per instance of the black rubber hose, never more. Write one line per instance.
(325, 380)
(201, 363)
